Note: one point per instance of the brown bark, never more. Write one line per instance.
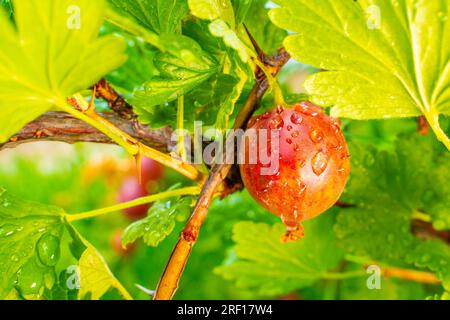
(58, 126)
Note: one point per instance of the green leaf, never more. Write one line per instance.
(30, 236)
(95, 277)
(389, 189)
(270, 267)
(384, 59)
(184, 58)
(242, 9)
(221, 14)
(50, 54)
(160, 16)
(199, 31)
(182, 67)
(220, 29)
(138, 68)
(159, 223)
(213, 100)
(212, 10)
(159, 91)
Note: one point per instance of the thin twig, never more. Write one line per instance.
(60, 126)
(425, 230)
(116, 102)
(177, 262)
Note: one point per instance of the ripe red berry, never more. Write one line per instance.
(116, 244)
(151, 170)
(313, 168)
(131, 189)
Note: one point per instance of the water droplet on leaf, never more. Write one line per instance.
(30, 280)
(48, 250)
(9, 230)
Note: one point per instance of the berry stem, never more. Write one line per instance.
(273, 83)
(188, 191)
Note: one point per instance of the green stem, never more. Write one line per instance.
(111, 133)
(421, 216)
(134, 203)
(123, 292)
(180, 126)
(343, 275)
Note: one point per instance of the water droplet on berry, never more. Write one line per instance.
(276, 123)
(319, 163)
(316, 136)
(289, 128)
(301, 186)
(296, 118)
(275, 176)
(295, 134)
(289, 141)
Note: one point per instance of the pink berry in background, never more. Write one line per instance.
(131, 189)
(151, 170)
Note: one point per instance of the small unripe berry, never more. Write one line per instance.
(313, 168)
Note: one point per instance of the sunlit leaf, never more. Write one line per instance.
(50, 53)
